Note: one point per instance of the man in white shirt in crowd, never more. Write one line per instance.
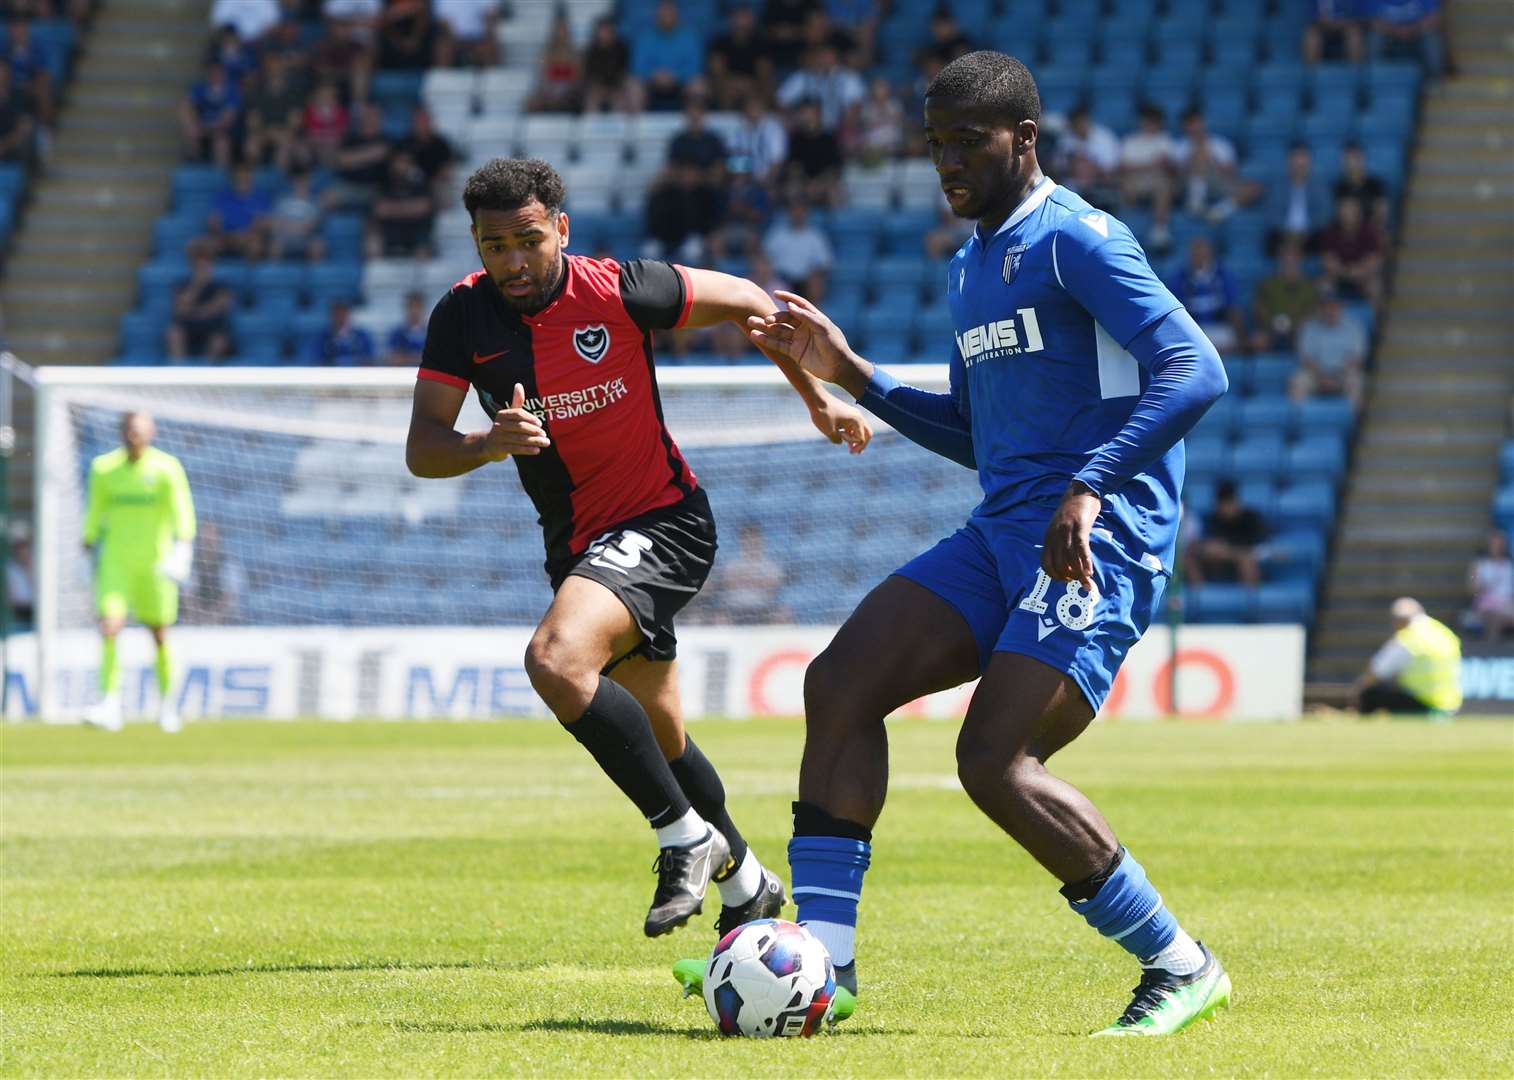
(799, 251)
(1147, 160)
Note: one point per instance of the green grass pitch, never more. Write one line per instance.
(262, 899)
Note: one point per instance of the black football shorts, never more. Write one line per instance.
(655, 563)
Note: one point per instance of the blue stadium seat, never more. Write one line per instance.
(1284, 602)
(888, 322)
(1258, 456)
(1225, 111)
(1270, 372)
(333, 280)
(1328, 127)
(162, 274)
(1067, 52)
(1307, 505)
(1219, 602)
(1317, 457)
(1235, 57)
(1266, 413)
(1334, 83)
(1259, 492)
(1394, 76)
(1324, 414)
(205, 180)
(1278, 77)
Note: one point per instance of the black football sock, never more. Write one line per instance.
(616, 731)
(701, 783)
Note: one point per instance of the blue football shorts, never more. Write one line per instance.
(990, 572)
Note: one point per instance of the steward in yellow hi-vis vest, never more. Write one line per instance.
(141, 522)
(1418, 669)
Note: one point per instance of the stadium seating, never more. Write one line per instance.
(1238, 61)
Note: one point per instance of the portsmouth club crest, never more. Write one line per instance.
(1012, 259)
(591, 342)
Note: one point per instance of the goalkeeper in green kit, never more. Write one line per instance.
(141, 521)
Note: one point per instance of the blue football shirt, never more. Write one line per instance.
(1043, 311)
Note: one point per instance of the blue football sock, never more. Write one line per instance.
(826, 872)
(1128, 910)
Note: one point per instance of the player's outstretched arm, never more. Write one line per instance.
(805, 335)
(717, 298)
(434, 449)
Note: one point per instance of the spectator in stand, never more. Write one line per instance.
(325, 125)
(1352, 251)
(800, 251)
(239, 217)
(1212, 189)
(879, 134)
(1335, 33)
(783, 23)
(18, 583)
(294, 228)
(286, 42)
(238, 58)
(947, 41)
(1090, 157)
(760, 145)
(608, 86)
(17, 129)
(665, 58)
(813, 172)
(345, 54)
(1409, 29)
(403, 213)
(273, 115)
(838, 90)
(949, 234)
(28, 64)
(1298, 208)
(1148, 159)
(687, 204)
(1356, 182)
(739, 64)
(1284, 299)
(559, 76)
(407, 36)
(215, 592)
(1332, 352)
(250, 18)
(748, 588)
(210, 116)
(201, 313)
(1209, 293)
(408, 338)
(1490, 579)
(431, 150)
(362, 164)
(468, 32)
(1228, 549)
(343, 343)
(819, 30)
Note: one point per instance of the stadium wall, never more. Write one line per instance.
(1223, 672)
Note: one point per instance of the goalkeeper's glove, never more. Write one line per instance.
(175, 565)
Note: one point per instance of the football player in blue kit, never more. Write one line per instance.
(1074, 375)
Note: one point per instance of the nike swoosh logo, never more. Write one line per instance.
(477, 359)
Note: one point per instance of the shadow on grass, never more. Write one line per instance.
(266, 969)
(615, 1027)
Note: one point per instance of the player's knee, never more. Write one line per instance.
(555, 667)
(829, 683)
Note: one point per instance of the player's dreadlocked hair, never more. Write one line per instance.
(510, 183)
(990, 80)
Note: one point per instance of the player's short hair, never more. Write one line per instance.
(510, 183)
(991, 80)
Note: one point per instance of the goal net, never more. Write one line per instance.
(313, 531)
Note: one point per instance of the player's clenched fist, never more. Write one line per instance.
(515, 430)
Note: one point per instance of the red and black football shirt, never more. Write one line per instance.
(585, 361)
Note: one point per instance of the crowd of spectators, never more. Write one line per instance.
(813, 103)
(28, 81)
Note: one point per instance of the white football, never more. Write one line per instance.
(769, 978)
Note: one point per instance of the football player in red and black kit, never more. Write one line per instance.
(559, 349)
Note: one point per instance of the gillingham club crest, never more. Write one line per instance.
(591, 342)
(1012, 259)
